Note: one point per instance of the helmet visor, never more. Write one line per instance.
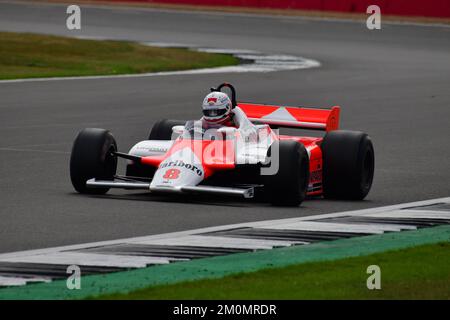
(214, 113)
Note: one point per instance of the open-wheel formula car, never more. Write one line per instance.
(181, 157)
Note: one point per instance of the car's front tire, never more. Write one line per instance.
(92, 157)
(288, 186)
(162, 129)
(348, 164)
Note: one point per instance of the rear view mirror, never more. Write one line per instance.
(178, 129)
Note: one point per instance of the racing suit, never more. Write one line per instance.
(237, 119)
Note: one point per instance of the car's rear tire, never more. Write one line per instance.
(91, 158)
(288, 186)
(162, 129)
(348, 164)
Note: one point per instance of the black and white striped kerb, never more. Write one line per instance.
(44, 265)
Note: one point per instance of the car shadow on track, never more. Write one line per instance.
(212, 200)
(180, 199)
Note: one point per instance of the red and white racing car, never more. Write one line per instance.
(181, 157)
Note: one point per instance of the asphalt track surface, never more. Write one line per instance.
(393, 84)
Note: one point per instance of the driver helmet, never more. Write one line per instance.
(216, 107)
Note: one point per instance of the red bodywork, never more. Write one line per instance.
(302, 118)
(220, 155)
(206, 150)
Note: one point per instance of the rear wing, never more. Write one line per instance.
(293, 117)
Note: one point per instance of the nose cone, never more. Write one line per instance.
(182, 168)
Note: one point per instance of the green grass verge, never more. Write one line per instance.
(415, 273)
(24, 55)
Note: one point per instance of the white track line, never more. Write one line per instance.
(18, 281)
(217, 242)
(90, 259)
(336, 227)
(420, 214)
